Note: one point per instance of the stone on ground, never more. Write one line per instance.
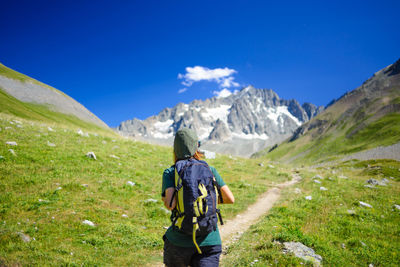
(91, 155)
(365, 204)
(24, 237)
(11, 143)
(12, 152)
(50, 144)
(87, 222)
(130, 183)
(308, 197)
(351, 212)
(376, 182)
(150, 200)
(303, 252)
(323, 188)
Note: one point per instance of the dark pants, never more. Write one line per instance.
(175, 256)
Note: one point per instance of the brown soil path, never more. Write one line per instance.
(234, 228)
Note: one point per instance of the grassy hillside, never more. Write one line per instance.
(333, 222)
(48, 191)
(364, 118)
(11, 106)
(337, 143)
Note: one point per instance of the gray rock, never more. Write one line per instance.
(50, 129)
(261, 164)
(91, 155)
(24, 237)
(303, 252)
(90, 223)
(365, 204)
(114, 157)
(317, 181)
(376, 182)
(397, 206)
(130, 183)
(323, 188)
(351, 212)
(12, 152)
(318, 177)
(50, 144)
(308, 197)
(81, 133)
(150, 200)
(369, 186)
(11, 143)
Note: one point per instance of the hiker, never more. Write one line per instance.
(200, 243)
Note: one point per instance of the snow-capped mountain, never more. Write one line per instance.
(240, 124)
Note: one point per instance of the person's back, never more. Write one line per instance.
(180, 248)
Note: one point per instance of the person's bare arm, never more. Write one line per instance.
(227, 195)
(167, 199)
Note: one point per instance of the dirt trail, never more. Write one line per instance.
(234, 228)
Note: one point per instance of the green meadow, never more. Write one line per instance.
(333, 222)
(50, 187)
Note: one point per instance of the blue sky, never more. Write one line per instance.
(125, 59)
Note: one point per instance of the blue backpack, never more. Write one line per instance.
(197, 194)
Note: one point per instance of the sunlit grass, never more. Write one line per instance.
(48, 191)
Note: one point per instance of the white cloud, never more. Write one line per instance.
(182, 90)
(222, 76)
(223, 93)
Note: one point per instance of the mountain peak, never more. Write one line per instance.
(239, 123)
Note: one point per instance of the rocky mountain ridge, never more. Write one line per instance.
(30, 90)
(240, 124)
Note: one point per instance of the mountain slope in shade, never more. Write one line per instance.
(28, 90)
(240, 124)
(364, 118)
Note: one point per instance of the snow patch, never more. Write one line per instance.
(214, 114)
(250, 136)
(276, 115)
(163, 126)
(163, 130)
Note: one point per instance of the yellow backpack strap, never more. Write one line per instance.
(195, 227)
(198, 207)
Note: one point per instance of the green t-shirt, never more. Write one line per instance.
(181, 239)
